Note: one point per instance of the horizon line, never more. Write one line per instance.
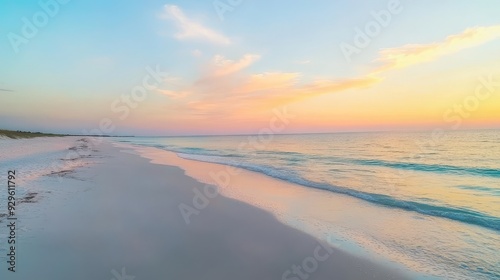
(256, 134)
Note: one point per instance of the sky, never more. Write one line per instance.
(233, 66)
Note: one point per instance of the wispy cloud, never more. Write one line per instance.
(173, 87)
(175, 94)
(269, 81)
(223, 66)
(320, 87)
(413, 54)
(190, 29)
(237, 95)
(8, 90)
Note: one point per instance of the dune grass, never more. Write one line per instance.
(25, 134)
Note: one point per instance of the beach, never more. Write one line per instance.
(227, 139)
(117, 215)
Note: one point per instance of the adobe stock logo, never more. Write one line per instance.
(39, 20)
(372, 29)
(121, 276)
(309, 265)
(223, 6)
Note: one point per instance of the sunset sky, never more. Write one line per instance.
(338, 65)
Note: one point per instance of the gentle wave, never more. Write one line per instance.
(450, 169)
(457, 214)
(485, 190)
(412, 166)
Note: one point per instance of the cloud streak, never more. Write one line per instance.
(190, 29)
(223, 66)
(222, 97)
(419, 53)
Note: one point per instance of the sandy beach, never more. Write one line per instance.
(119, 217)
(260, 140)
(224, 139)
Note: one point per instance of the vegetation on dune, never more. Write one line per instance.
(25, 134)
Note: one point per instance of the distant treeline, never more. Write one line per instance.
(28, 134)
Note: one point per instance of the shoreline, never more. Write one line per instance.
(389, 236)
(122, 214)
(267, 193)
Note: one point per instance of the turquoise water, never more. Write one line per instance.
(451, 178)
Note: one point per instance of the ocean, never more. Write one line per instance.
(436, 194)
